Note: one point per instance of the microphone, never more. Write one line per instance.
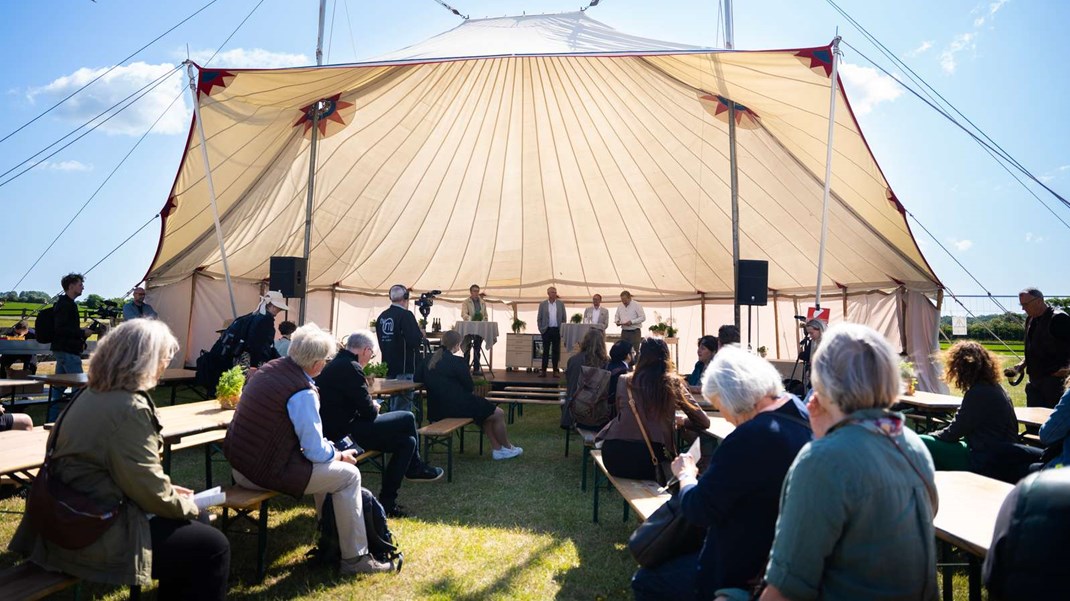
(800, 317)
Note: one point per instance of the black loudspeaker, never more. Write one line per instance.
(288, 276)
(753, 282)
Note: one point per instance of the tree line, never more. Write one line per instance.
(1007, 326)
(93, 301)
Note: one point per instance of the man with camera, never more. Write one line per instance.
(68, 337)
(137, 307)
(399, 337)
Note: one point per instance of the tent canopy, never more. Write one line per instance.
(522, 151)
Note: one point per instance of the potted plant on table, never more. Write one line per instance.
(423, 324)
(518, 325)
(762, 351)
(477, 316)
(371, 325)
(373, 371)
(576, 318)
(229, 388)
(906, 372)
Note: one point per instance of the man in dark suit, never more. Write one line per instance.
(551, 316)
(348, 409)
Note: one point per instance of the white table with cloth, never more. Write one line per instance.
(487, 330)
(572, 334)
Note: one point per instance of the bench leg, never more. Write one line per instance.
(624, 502)
(480, 430)
(135, 593)
(975, 578)
(261, 541)
(948, 571)
(585, 461)
(449, 456)
(166, 458)
(568, 435)
(207, 465)
(460, 433)
(597, 477)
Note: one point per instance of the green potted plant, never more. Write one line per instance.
(371, 325)
(658, 329)
(576, 318)
(518, 325)
(906, 372)
(762, 351)
(482, 387)
(477, 316)
(229, 388)
(373, 371)
(423, 324)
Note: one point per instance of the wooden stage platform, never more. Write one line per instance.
(501, 378)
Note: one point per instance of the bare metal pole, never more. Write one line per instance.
(730, 43)
(211, 187)
(828, 171)
(729, 28)
(316, 108)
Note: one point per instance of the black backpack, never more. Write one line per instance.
(212, 363)
(45, 325)
(381, 542)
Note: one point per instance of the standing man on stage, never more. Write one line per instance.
(630, 318)
(399, 337)
(596, 314)
(551, 316)
(472, 305)
(137, 307)
(1047, 350)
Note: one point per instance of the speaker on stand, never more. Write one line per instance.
(753, 288)
(287, 275)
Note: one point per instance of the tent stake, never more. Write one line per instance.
(211, 187)
(828, 173)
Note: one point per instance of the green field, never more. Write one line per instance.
(1000, 348)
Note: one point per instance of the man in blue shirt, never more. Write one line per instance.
(137, 307)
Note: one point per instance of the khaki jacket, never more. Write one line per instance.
(109, 448)
(468, 308)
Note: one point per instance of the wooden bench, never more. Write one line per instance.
(554, 388)
(29, 581)
(641, 496)
(244, 501)
(587, 436)
(441, 433)
(210, 441)
(516, 404)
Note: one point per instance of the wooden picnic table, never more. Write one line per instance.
(720, 427)
(969, 504)
(21, 452)
(382, 386)
(13, 387)
(931, 401)
(1033, 416)
(642, 496)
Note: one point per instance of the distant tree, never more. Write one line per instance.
(1060, 303)
(10, 296)
(94, 301)
(34, 296)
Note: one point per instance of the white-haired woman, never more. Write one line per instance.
(738, 495)
(107, 446)
(856, 515)
(275, 442)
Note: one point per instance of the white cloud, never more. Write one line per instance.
(1064, 168)
(994, 7)
(961, 245)
(1030, 237)
(921, 49)
(113, 88)
(868, 86)
(252, 58)
(64, 166)
(1047, 178)
(963, 41)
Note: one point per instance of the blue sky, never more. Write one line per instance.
(1002, 63)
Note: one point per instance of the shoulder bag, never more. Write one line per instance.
(662, 467)
(60, 514)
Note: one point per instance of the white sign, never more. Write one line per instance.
(958, 325)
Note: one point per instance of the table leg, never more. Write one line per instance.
(948, 571)
(975, 578)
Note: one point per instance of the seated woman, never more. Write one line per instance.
(658, 392)
(707, 348)
(1054, 432)
(592, 353)
(275, 442)
(620, 357)
(449, 394)
(739, 493)
(108, 447)
(857, 507)
(986, 419)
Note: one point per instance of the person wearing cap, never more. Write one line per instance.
(261, 340)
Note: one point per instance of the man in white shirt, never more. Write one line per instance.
(551, 316)
(596, 314)
(471, 306)
(630, 318)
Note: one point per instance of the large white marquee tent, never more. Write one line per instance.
(520, 152)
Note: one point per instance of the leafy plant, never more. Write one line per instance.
(670, 332)
(762, 351)
(477, 316)
(518, 325)
(229, 388)
(375, 370)
(423, 323)
(659, 329)
(663, 327)
(906, 370)
(576, 318)
(371, 324)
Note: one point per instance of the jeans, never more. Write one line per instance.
(393, 433)
(402, 401)
(66, 363)
(190, 559)
(342, 480)
(673, 580)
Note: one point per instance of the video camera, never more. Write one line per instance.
(108, 310)
(426, 300)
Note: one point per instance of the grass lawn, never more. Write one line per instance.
(516, 529)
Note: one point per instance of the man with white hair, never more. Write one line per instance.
(348, 409)
(399, 339)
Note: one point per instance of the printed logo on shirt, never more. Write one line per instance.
(386, 326)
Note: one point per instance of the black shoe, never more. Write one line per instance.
(426, 473)
(396, 511)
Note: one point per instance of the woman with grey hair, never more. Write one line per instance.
(856, 513)
(107, 446)
(737, 497)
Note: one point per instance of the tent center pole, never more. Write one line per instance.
(828, 173)
(211, 187)
(316, 108)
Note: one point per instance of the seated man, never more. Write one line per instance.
(275, 442)
(14, 421)
(347, 409)
(21, 331)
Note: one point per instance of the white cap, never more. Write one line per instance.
(274, 297)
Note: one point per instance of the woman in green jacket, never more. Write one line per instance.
(108, 447)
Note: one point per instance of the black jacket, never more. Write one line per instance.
(449, 387)
(399, 338)
(68, 334)
(261, 340)
(344, 396)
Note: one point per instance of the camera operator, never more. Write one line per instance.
(68, 339)
(399, 339)
(137, 307)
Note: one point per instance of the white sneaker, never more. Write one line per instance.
(519, 451)
(505, 453)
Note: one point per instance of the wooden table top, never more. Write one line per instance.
(192, 418)
(76, 380)
(20, 386)
(1033, 416)
(384, 386)
(969, 504)
(22, 450)
(932, 401)
(720, 427)
(175, 375)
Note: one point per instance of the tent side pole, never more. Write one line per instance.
(211, 187)
(703, 297)
(189, 322)
(828, 172)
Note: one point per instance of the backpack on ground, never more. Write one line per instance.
(381, 544)
(45, 325)
(589, 406)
